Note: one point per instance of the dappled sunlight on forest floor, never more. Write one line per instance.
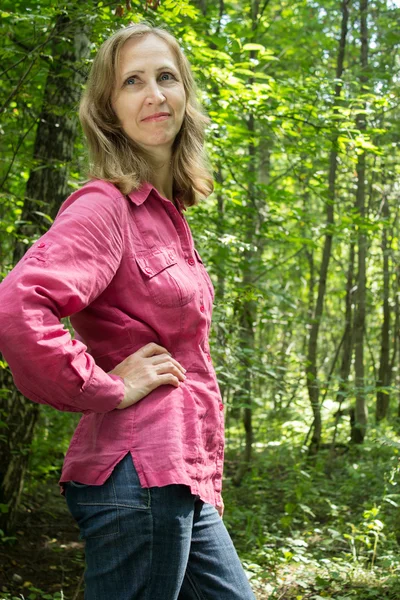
(326, 530)
(322, 529)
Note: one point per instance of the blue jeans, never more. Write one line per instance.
(160, 543)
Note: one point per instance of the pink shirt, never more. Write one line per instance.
(125, 269)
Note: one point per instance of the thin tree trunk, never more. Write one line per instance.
(396, 326)
(249, 308)
(246, 323)
(220, 291)
(262, 330)
(384, 377)
(278, 388)
(312, 350)
(361, 412)
(221, 332)
(345, 366)
(46, 188)
(396, 335)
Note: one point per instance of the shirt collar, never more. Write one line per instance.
(143, 192)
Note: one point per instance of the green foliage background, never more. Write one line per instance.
(306, 527)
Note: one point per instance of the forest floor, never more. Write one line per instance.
(325, 531)
(44, 559)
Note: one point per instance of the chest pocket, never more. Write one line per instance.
(167, 283)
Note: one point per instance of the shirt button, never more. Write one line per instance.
(221, 406)
(202, 308)
(42, 245)
(191, 261)
(208, 357)
(148, 270)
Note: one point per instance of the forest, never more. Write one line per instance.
(301, 238)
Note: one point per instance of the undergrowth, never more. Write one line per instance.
(327, 527)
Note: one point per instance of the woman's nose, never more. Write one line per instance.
(155, 94)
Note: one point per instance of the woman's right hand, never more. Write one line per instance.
(146, 369)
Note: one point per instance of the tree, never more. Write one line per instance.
(46, 189)
(311, 365)
(361, 411)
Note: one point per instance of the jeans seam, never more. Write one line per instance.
(199, 595)
(114, 505)
(95, 537)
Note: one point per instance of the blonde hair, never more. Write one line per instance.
(113, 156)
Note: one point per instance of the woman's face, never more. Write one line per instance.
(149, 97)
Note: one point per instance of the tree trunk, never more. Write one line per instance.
(384, 378)
(345, 366)
(396, 327)
(249, 308)
(312, 350)
(221, 332)
(247, 319)
(46, 188)
(361, 412)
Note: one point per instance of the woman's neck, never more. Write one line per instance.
(160, 159)
(162, 179)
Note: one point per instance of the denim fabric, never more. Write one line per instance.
(159, 543)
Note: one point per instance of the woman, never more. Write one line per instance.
(142, 475)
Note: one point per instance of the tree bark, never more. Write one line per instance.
(345, 365)
(221, 332)
(247, 319)
(384, 377)
(396, 330)
(249, 308)
(46, 189)
(312, 350)
(361, 412)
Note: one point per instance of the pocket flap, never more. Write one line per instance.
(156, 262)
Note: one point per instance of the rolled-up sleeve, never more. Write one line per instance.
(61, 274)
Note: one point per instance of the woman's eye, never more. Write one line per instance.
(130, 81)
(168, 75)
(133, 80)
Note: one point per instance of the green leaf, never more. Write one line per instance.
(251, 47)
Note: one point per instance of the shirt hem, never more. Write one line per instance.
(148, 480)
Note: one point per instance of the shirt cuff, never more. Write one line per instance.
(103, 393)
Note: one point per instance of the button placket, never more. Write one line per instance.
(177, 220)
(184, 234)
